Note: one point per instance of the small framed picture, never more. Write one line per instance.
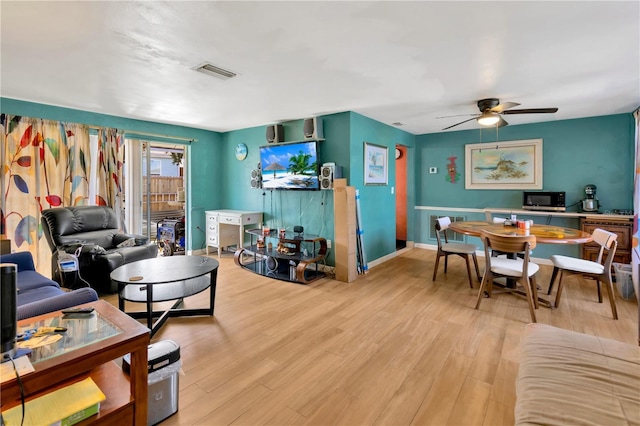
(376, 164)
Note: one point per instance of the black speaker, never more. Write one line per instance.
(256, 178)
(275, 133)
(8, 322)
(329, 172)
(313, 128)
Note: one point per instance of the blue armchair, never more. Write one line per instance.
(37, 294)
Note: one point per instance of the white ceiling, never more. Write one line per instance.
(406, 62)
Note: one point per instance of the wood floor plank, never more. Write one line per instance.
(391, 348)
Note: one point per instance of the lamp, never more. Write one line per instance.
(488, 118)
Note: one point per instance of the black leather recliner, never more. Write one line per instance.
(92, 232)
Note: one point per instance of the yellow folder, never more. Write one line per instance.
(65, 406)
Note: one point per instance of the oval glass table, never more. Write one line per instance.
(164, 279)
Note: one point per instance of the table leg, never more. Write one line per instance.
(138, 378)
(120, 299)
(212, 290)
(150, 306)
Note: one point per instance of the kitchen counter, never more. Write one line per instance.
(489, 211)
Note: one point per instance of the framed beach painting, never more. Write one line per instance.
(504, 165)
(376, 164)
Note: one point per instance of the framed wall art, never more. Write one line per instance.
(376, 164)
(504, 165)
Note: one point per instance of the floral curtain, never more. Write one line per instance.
(110, 168)
(45, 165)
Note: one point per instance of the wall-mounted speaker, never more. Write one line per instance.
(329, 172)
(256, 178)
(275, 133)
(313, 128)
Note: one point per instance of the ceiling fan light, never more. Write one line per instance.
(488, 119)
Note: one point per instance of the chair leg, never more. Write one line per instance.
(483, 284)
(612, 299)
(534, 291)
(559, 293)
(599, 291)
(554, 274)
(466, 259)
(446, 262)
(528, 288)
(475, 262)
(435, 268)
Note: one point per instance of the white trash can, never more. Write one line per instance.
(164, 366)
(624, 281)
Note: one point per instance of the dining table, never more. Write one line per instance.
(545, 234)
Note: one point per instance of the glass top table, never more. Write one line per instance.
(163, 279)
(82, 330)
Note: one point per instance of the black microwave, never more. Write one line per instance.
(544, 201)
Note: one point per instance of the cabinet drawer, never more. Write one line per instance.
(251, 218)
(231, 220)
(212, 218)
(212, 240)
(622, 230)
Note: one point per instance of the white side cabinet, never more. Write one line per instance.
(226, 227)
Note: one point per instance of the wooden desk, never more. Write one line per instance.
(545, 234)
(126, 401)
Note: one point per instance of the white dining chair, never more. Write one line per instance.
(520, 270)
(445, 249)
(597, 270)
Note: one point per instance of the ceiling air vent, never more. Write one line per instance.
(210, 69)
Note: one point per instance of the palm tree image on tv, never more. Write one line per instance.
(299, 164)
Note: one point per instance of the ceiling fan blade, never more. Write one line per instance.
(502, 123)
(504, 106)
(532, 111)
(457, 124)
(460, 115)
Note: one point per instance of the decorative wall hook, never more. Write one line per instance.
(452, 174)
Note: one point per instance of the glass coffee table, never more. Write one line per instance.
(88, 348)
(163, 279)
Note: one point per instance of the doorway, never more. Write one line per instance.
(401, 197)
(156, 206)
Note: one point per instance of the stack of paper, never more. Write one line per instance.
(65, 406)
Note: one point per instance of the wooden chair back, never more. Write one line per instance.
(508, 243)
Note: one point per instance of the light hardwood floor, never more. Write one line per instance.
(391, 348)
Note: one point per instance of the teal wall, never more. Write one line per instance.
(597, 150)
(204, 163)
(377, 202)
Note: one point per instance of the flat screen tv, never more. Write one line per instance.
(290, 166)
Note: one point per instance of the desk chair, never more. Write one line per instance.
(521, 270)
(459, 249)
(587, 268)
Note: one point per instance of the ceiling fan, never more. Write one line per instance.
(491, 111)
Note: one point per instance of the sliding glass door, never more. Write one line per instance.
(156, 193)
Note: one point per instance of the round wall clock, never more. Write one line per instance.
(241, 151)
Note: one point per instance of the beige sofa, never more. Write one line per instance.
(570, 378)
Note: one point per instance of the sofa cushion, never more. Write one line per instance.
(57, 302)
(103, 238)
(38, 294)
(29, 280)
(567, 377)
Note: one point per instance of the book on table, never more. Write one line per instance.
(62, 407)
